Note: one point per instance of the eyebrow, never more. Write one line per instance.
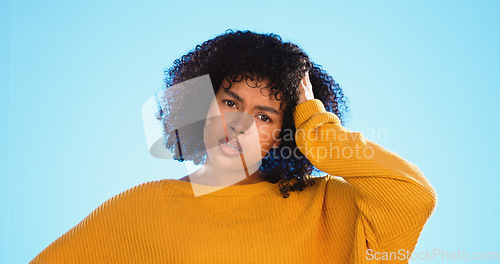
(261, 107)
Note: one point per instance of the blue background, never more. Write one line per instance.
(421, 77)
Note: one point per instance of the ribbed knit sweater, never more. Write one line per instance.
(372, 205)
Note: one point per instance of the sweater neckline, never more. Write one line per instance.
(208, 190)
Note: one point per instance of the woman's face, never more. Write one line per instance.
(242, 125)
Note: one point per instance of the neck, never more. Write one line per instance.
(210, 174)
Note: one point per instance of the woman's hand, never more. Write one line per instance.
(305, 89)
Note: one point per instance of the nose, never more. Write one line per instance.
(237, 129)
(238, 123)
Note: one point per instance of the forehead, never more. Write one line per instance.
(251, 91)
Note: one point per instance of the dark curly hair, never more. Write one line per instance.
(244, 53)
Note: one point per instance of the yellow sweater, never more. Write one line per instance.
(375, 209)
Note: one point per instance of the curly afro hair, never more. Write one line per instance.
(244, 53)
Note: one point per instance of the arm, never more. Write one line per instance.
(393, 197)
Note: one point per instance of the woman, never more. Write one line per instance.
(274, 118)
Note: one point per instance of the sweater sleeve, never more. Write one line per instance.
(393, 197)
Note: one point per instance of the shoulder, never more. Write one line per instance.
(105, 227)
(129, 200)
(122, 209)
(143, 191)
(339, 193)
(140, 198)
(335, 182)
(333, 186)
(332, 182)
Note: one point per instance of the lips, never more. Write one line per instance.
(233, 143)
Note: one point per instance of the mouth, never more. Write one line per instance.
(232, 143)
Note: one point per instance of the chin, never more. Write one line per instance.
(234, 163)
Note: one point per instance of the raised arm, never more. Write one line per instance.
(393, 196)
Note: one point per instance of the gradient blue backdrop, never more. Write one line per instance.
(74, 76)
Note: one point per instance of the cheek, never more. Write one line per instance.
(213, 129)
(268, 134)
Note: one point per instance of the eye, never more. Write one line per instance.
(229, 103)
(265, 118)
